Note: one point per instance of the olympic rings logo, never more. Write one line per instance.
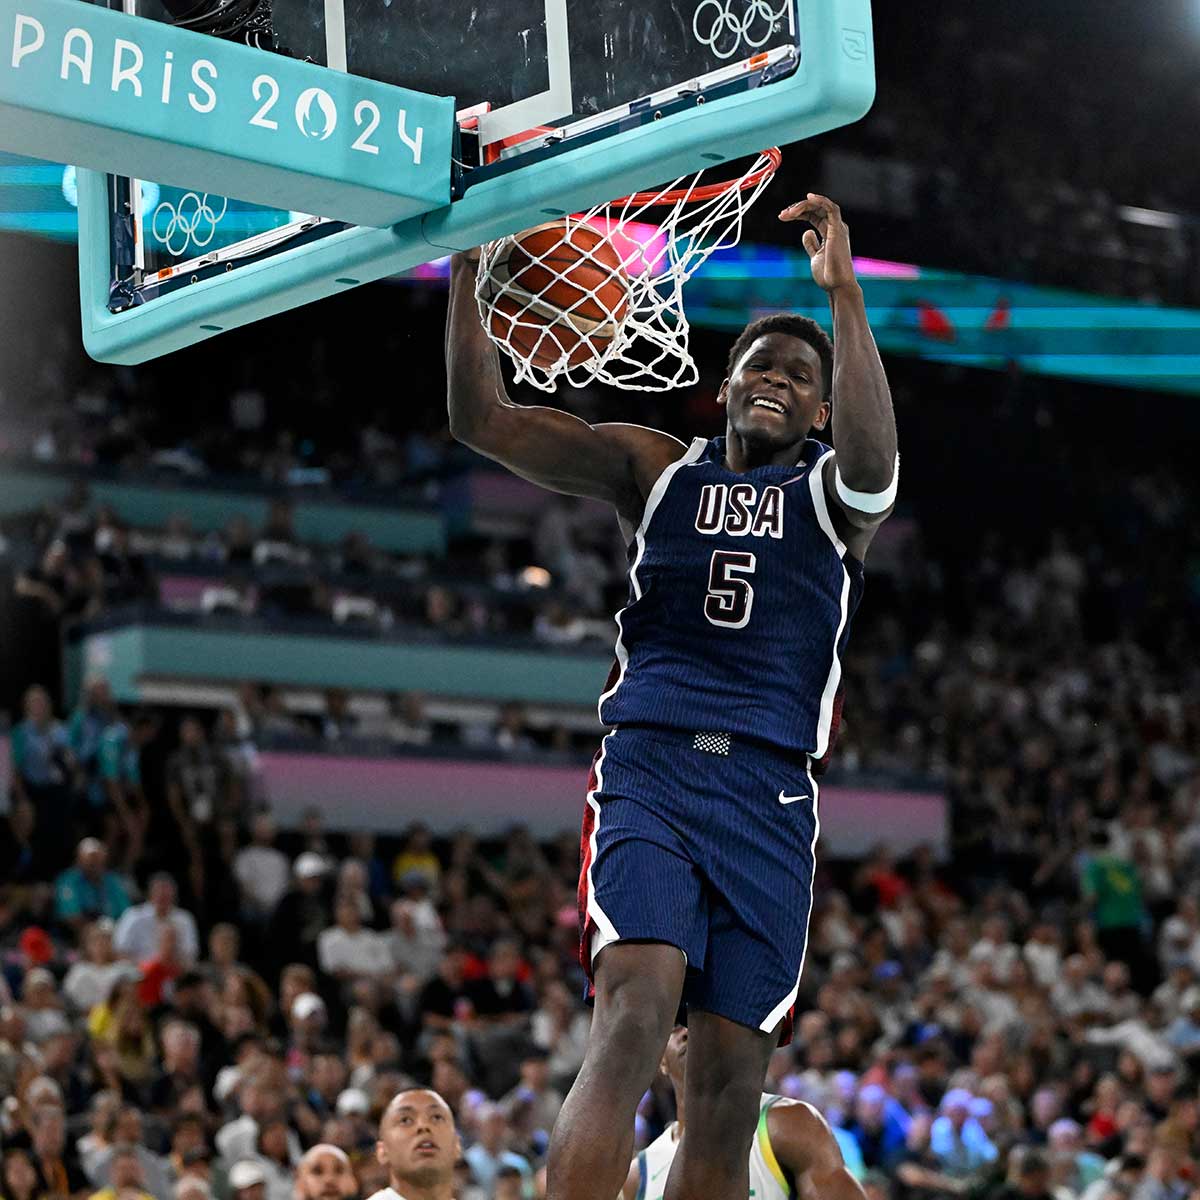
(191, 223)
(727, 33)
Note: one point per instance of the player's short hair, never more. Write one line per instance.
(794, 325)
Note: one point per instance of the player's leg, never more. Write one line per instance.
(645, 921)
(758, 855)
(726, 1065)
(638, 987)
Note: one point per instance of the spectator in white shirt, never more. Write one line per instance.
(416, 950)
(262, 871)
(137, 933)
(1043, 953)
(348, 951)
(90, 980)
(261, 1101)
(995, 948)
(1075, 995)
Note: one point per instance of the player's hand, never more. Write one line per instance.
(466, 258)
(827, 243)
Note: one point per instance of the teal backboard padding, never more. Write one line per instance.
(324, 523)
(833, 86)
(536, 675)
(81, 83)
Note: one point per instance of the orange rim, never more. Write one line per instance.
(710, 191)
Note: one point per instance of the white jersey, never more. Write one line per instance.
(767, 1179)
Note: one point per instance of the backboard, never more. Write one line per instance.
(559, 104)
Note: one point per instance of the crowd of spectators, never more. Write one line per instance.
(189, 996)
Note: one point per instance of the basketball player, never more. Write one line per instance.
(325, 1173)
(419, 1146)
(746, 565)
(793, 1153)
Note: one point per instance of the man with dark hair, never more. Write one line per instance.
(137, 932)
(126, 1181)
(746, 565)
(418, 1146)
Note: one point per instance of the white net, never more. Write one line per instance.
(599, 295)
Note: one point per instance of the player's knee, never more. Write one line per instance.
(631, 1026)
(632, 1020)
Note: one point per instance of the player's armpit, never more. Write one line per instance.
(556, 450)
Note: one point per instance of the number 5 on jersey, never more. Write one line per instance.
(730, 596)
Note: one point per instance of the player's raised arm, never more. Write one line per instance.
(863, 486)
(616, 463)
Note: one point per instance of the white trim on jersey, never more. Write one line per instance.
(825, 718)
(868, 502)
(606, 931)
(689, 458)
(781, 1009)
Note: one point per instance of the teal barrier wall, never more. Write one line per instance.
(402, 531)
(536, 676)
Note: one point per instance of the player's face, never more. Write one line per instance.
(325, 1176)
(417, 1140)
(675, 1055)
(775, 395)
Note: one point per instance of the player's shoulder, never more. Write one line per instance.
(797, 1126)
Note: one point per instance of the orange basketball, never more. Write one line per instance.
(559, 291)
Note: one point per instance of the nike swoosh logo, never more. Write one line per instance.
(659, 1172)
(790, 799)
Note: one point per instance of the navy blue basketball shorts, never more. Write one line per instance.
(704, 842)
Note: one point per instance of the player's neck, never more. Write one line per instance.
(443, 1190)
(742, 455)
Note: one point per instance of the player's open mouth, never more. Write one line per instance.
(767, 403)
(426, 1146)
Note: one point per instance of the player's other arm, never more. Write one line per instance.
(808, 1152)
(863, 485)
(616, 463)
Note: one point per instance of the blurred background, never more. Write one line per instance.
(301, 695)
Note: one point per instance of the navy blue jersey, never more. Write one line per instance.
(741, 595)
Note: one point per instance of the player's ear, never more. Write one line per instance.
(822, 417)
(723, 392)
(381, 1154)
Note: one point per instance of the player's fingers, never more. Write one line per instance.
(824, 202)
(812, 243)
(793, 212)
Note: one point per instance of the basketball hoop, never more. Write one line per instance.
(661, 237)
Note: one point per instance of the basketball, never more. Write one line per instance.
(558, 292)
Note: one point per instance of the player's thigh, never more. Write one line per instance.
(759, 916)
(638, 882)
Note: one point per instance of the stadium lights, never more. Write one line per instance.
(1149, 216)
